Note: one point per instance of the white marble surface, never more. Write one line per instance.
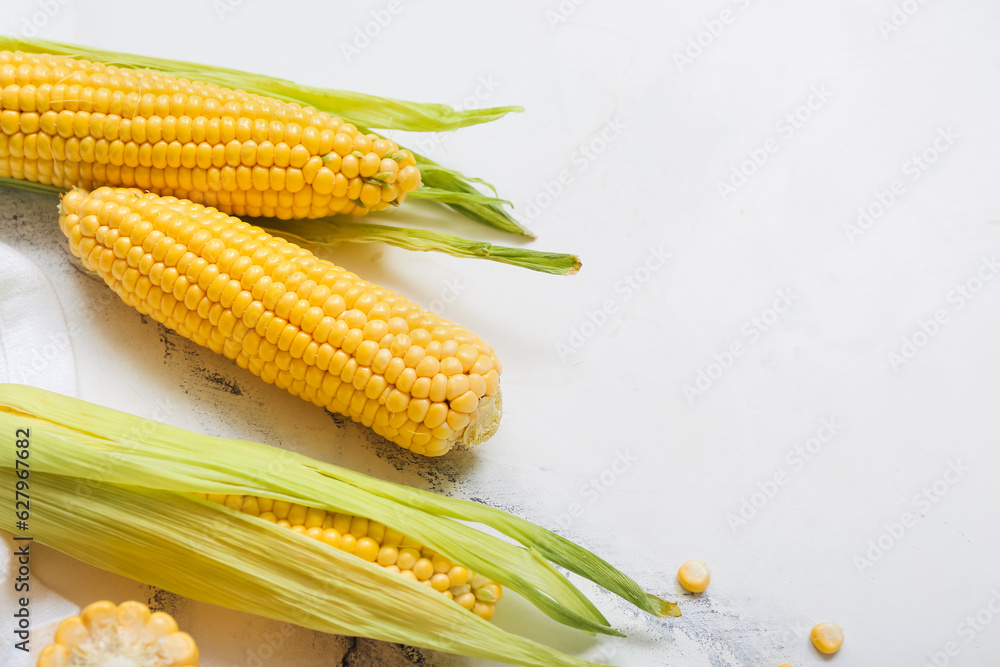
(620, 442)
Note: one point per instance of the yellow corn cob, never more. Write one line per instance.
(69, 122)
(126, 634)
(375, 543)
(293, 319)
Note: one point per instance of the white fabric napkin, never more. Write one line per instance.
(35, 349)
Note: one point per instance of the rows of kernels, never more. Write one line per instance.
(243, 153)
(127, 634)
(375, 543)
(296, 321)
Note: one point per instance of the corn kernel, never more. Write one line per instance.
(694, 576)
(827, 637)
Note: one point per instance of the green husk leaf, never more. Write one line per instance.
(330, 231)
(465, 198)
(450, 197)
(365, 111)
(117, 491)
(31, 186)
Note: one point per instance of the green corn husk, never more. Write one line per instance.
(118, 492)
(365, 111)
(331, 231)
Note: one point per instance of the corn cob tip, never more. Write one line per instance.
(484, 426)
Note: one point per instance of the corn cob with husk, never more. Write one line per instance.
(76, 123)
(104, 634)
(364, 111)
(374, 543)
(245, 144)
(297, 321)
(124, 494)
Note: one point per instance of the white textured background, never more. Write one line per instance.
(641, 126)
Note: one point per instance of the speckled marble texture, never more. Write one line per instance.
(780, 356)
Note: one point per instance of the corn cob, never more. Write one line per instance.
(123, 493)
(375, 543)
(126, 634)
(70, 122)
(293, 319)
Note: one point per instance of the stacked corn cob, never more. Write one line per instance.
(70, 122)
(291, 318)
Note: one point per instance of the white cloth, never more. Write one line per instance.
(35, 349)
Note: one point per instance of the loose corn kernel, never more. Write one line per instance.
(694, 576)
(827, 637)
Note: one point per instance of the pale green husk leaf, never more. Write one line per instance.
(330, 231)
(117, 491)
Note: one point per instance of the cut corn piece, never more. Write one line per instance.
(125, 635)
(70, 122)
(441, 574)
(297, 321)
